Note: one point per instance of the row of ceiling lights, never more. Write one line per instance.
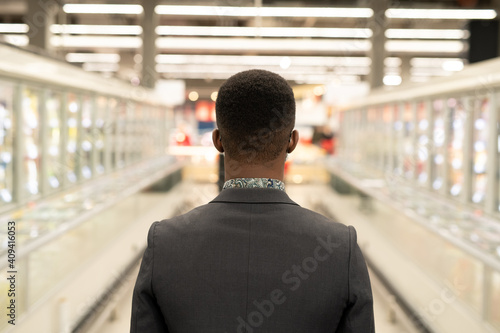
(450, 44)
(399, 13)
(212, 31)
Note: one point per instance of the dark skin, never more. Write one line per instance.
(273, 169)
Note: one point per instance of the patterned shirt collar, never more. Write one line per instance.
(255, 183)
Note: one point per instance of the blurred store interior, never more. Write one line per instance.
(106, 114)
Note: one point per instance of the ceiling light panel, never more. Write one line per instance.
(245, 44)
(432, 62)
(261, 60)
(264, 11)
(96, 41)
(302, 78)
(93, 57)
(194, 68)
(263, 32)
(102, 9)
(17, 40)
(13, 28)
(426, 34)
(419, 47)
(441, 14)
(100, 67)
(84, 29)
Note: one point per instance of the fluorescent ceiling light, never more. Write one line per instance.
(263, 32)
(392, 80)
(96, 41)
(426, 33)
(13, 28)
(263, 11)
(432, 62)
(429, 72)
(18, 40)
(93, 57)
(231, 69)
(102, 9)
(261, 60)
(441, 14)
(437, 64)
(84, 29)
(453, 65)
(196, 68)
(302, 78)
(410, 46)
(100, 67)
(246, 44)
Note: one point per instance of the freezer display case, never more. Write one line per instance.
(112, 132)
(456, 146)
(87, 144)
(73, 114)
(388, 152)
(438, 147)
(422, 145)
(138, 131)
(55, 170)
(121, 134)
(408, 142)
(7, 134)
(449, 184)
(30, 142)
(371, 137)
(101, 129)
(479, 149)
(398, 148)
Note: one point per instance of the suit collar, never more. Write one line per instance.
(253, 195)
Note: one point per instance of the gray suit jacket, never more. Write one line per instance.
(252, 260)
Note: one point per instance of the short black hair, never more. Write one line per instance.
(255, 112)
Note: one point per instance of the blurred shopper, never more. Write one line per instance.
(252, 260)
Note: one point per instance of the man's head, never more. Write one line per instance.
(255, 112)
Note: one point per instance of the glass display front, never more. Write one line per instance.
(422, 125)
(87, 140)
(408, 142)
(55, 169)
(398, 141)
(100, 130)
(455, 161)
(31, 141)
(7, 131)
(72, 114)
(121, 137)
(387, 139)
(371, 148)
(138, 131)
(112, 132)
(479, 149)
(149, 141)
(438, 149)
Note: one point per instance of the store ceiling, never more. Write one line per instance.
(190, 54)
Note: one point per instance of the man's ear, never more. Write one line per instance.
(216, 139)
(294, 140)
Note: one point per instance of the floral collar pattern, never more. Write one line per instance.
(255, 183)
